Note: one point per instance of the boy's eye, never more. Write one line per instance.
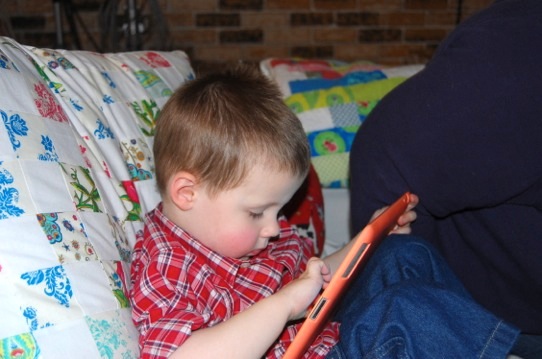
(255, 215)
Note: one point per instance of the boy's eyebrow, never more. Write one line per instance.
(262, 206)
(265, 205)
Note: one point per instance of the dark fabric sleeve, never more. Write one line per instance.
(465, 135)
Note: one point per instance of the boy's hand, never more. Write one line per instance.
(303, 290)
(403, 223)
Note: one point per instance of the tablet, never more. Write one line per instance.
(364, 244)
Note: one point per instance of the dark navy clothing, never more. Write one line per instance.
(465, 135)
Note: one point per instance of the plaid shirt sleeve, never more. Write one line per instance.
(163, 316)
(163, 303)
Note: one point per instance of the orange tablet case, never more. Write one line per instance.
(365, 241)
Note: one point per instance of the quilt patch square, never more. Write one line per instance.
(332, 169)
(152, 83)
(24, 251)
(22, 85)
(316, 120)
(138, 157)
(13, 322)
(83, 188)
(67, 340)
(6, 150)
(47, 186)
(47, 297)
(345, 115)
(66, 234)
(19, 346)
(15, 199)
(148, 194)
(118, 275)
(31, 138)
(146, 111)
(65, 142)
(105, 236)
(90, 287)
(114, 334)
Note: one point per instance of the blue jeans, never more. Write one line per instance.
(406, 303)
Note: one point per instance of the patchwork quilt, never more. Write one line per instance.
(76, 177)
(332, 98)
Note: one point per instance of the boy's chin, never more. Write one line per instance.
(252, 253)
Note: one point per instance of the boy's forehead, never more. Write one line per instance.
(271, 183)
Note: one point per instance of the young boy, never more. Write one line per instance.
(219, 273)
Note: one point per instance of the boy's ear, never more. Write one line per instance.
(182, 190)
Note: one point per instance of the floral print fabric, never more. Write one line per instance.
(75, 140)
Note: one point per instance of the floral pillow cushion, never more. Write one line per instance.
(76, 176)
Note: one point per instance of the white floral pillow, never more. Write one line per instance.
(76, 177)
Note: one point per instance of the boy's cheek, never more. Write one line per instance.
(239, 244)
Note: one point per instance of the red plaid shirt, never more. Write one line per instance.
(179, 286)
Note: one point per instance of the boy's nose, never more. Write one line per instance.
(271, 230)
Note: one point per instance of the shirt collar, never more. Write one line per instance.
(227, 267)
(224, 266)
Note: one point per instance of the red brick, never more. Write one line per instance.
(321, 52)
(288, 35)
(10, 7)
(425, 35)
(265, 20)
(404, 19)
(381, 6)
(33, 7)
(335, 4)
(423, 54)
(427, 4)
(260, 52)
(380, 35)
(28, 22)
(396, 50)
(446, 18)
(192, 5)
(213, 52)
(218, 20)
(196, 36)
(357, 52)
(334, 35)
(241, 36)
(357, 18)
(179, 19)
(288, 4)
(84, 5)
(311, 19)
(241, 4)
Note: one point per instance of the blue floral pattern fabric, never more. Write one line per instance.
(9, 195)
(76, 177)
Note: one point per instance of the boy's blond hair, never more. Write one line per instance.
(220, 125)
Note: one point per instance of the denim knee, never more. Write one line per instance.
(405, 246)
(405, 257)
(398, 259)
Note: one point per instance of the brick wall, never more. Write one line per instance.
(385, 31)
